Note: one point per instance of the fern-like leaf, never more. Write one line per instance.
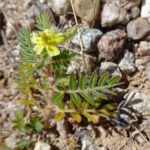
(43, 21)
(24, 39)
(61, 62)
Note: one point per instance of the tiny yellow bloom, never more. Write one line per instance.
(47, 40)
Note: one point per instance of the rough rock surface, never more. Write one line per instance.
(145, 10)
(144, 48)
(88, 10)
(138, 29)
(113, 14)
(110, 67)
(59, 7)
(127, 65)
(42, 146)
(111, 44)
(89, 38)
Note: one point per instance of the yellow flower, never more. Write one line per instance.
(48, 40)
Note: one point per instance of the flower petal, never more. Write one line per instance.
(38, 49)
(52, 50)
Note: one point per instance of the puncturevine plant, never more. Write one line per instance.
(43, 70)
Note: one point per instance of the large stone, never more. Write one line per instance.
(113, 14)
(138, 29)
(59, 7)
(127, 65)
(145, 9)
(42, 146)
(88, 10)
(89, 38)
(111, 44)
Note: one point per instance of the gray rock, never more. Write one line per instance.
(89, 38)
(144, 48)
(139, 101)
(138, 29)
(88, 144)
(128, 4)
(145, 9)
(61, 128)
(113, 14)
(87, 10)
(59, 7)
(42, 146)
(111, 44)
(110, 67)
(12, 140)
(127, 65)
(135, 12)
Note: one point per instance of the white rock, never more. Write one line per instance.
(127, 63)
(113, 14)
(87, 144)
(42, 146)
(144, 48)
(61, 128)
(145, 10)
(59, 7)
(12, 140)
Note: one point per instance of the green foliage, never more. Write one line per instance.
(4, 147)
(36, 124)
(25, 80)
(24, 38)
(90, 92)
(61, 62)
(23, 144)
(18, 122)
(43, 21)
(76, 96)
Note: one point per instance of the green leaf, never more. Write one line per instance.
(90, 117)
(59, 116)
(93, 80)
(27, 102)
(25, 43)
(100, 95)
(103, 80)
(76, 117)
(76, 99)
(5, 147)
(88, 98)
(114, 80)
(83, 81)
(57, 97)
(18, 122)
(110, 106)
(72, 83)
(22, 144)
(70, 32)
(43, 21)
(85, 105)
(36, 124)
(107, 91)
